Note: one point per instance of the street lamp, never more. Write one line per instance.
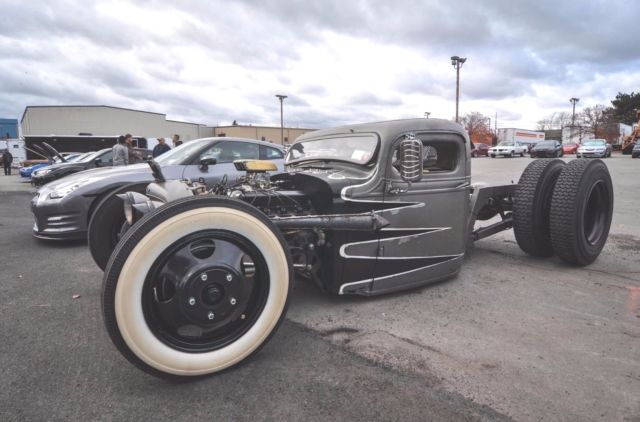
(457, 62)
(426, 114)
(573, 100)
(281, 98)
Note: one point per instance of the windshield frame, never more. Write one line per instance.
(373, 158)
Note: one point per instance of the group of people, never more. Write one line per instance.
(124, 154)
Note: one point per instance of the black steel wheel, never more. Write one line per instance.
(581, 211)
(106, 223)
(196, 287)
(531, 204)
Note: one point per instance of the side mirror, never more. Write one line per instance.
(205, 162)
(98, 162)
(410, 153)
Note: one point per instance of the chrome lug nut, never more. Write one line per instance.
(233, 301)
(192, 301)
(211, 315)
(229, 277)
(203, 277)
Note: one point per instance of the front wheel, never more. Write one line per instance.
(511, 154)
(106, 223)
(196, 287)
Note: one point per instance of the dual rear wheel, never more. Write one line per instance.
(563, 209)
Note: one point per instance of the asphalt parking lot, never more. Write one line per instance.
(510, 337)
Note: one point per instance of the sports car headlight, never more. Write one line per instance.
(41, 172)
(61, 193)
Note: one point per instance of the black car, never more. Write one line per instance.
(548, 148)
(635, 152)
(102, 158)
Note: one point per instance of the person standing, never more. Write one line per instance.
(176, 140)
(161, 148)
(7, 159)
(120, 152)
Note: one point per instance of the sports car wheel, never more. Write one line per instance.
(531, 204)
(106, 224)
(581, 211)
(196, 286)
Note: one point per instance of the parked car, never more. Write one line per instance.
(508, 149)
(201, 280)
(635, 152)
(594, 148)
(570, 148)
(479, 149)
(62, 208)
(102, 158)
(547, 148)
(27, 171)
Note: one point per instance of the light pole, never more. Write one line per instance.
(573, 100)
(457, 62)
(426, 114)
(281, 98)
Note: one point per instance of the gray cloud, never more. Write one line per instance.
(71, 52)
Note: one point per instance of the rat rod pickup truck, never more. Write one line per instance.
(200, 276)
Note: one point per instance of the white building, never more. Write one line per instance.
(102, 120)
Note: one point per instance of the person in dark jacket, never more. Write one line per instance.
(161, 148)
(7, 159)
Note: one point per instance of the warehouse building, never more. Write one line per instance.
(261, 133)
(102, 121)
(105, 121)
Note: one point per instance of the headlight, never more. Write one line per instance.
(66, 189)
(61, 193)
(41, 172)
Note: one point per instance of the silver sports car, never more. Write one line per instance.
(62, 208)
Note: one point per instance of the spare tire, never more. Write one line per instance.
(581, 211)
(531, 204)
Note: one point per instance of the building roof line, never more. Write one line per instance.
(87, 106)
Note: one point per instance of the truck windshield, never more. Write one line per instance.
(357, 149)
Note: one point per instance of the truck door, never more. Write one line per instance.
(426, 239)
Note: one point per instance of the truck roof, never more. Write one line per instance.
(391, 129)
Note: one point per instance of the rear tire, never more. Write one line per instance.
(531, 203)
(171, 320)
(106, 223)
(581, 211)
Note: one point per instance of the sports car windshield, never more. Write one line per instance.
(357, 149)
(181, 153)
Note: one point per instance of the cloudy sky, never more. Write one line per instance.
(338, 61)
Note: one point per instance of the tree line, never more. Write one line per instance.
(599, 119)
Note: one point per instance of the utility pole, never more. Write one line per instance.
(573, 100)
(457, 63)
(427, 114)
(281, 98)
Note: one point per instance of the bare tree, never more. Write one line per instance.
(594, 119)
(557, 120)
(478, 127)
